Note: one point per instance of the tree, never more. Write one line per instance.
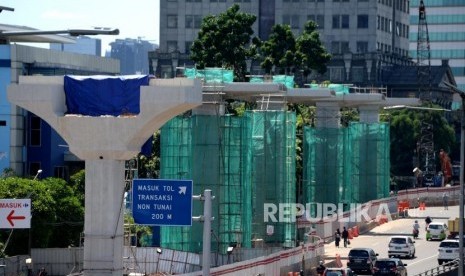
(57, 214)
(279, 50)
(290, 54)
(405, 129)
(311, 54)
(224, 41)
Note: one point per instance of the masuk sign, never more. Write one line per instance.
(162, 202)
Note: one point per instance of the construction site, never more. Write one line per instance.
(250, 160)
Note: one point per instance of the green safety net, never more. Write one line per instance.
(246, 162)
(346, 165)
(256, 80)
(210, 75)
(288, 81)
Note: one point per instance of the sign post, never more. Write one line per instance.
(162, 202)
(15, 213)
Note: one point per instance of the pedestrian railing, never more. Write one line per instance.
(442, 269)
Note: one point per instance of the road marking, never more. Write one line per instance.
(419, 261)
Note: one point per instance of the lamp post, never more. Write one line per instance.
(37, 174)
(462, 160)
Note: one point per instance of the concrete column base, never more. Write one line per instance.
(103, 228)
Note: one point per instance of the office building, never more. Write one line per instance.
(132, 54)
(446, 29)
(364, 37)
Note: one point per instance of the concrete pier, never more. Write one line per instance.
(105, 143)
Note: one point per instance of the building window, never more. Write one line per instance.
(193, 21)
(291, 20)
(362, 21)
(172, 46)
(188, 47)
(35, 128)
(172, 21)
(60, 172)
(166, 71)
(217, 1)
(340, 21)
(357, 74)
(336, 74)
(340, 47)
(362, 47)
(198, 1)
(319, 19)
(2, 123)
(242, 1)
(336, 22)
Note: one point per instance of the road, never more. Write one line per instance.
(378, 238)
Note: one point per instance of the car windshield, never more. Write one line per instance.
(358, 253)
(435, 226)
(398, 240)
(449, 244)
(385, 264)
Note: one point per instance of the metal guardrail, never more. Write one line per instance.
(444, 269)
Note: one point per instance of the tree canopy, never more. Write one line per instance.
(224, 40)
(57, 214)
(405, 132)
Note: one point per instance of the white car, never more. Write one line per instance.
(401, 246)
(448, 251)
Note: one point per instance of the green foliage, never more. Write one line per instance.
(57, 214)
(290, 54)
(78, 184)
(311, 54)
(349, 115)
(224, 41)
(405, 128)
(149, 166)
(8, 172)
(279, 49)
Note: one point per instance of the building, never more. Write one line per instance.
(83, 45)
(446, 23)
(364, 37)
(132, 54)
(27, 143)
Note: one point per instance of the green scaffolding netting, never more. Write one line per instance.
(210, 75)
(346, 165)
(246, 162)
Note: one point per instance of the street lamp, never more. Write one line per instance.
(3, 8)
(37, 174)
(462, 160)
(26, 35)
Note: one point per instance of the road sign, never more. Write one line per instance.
(15, 213)
(162, 202)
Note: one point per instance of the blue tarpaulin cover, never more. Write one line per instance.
(104, 95)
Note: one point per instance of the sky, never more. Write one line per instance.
(134, 19)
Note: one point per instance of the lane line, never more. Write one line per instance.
(419, 261)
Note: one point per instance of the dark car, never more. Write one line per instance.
(362, 260)
(391, 267)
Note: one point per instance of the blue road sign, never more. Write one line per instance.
(162, 202)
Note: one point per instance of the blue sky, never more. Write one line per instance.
(134, 19)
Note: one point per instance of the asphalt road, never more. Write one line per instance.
(378, 238)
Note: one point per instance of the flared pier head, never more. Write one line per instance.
(105, 143)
